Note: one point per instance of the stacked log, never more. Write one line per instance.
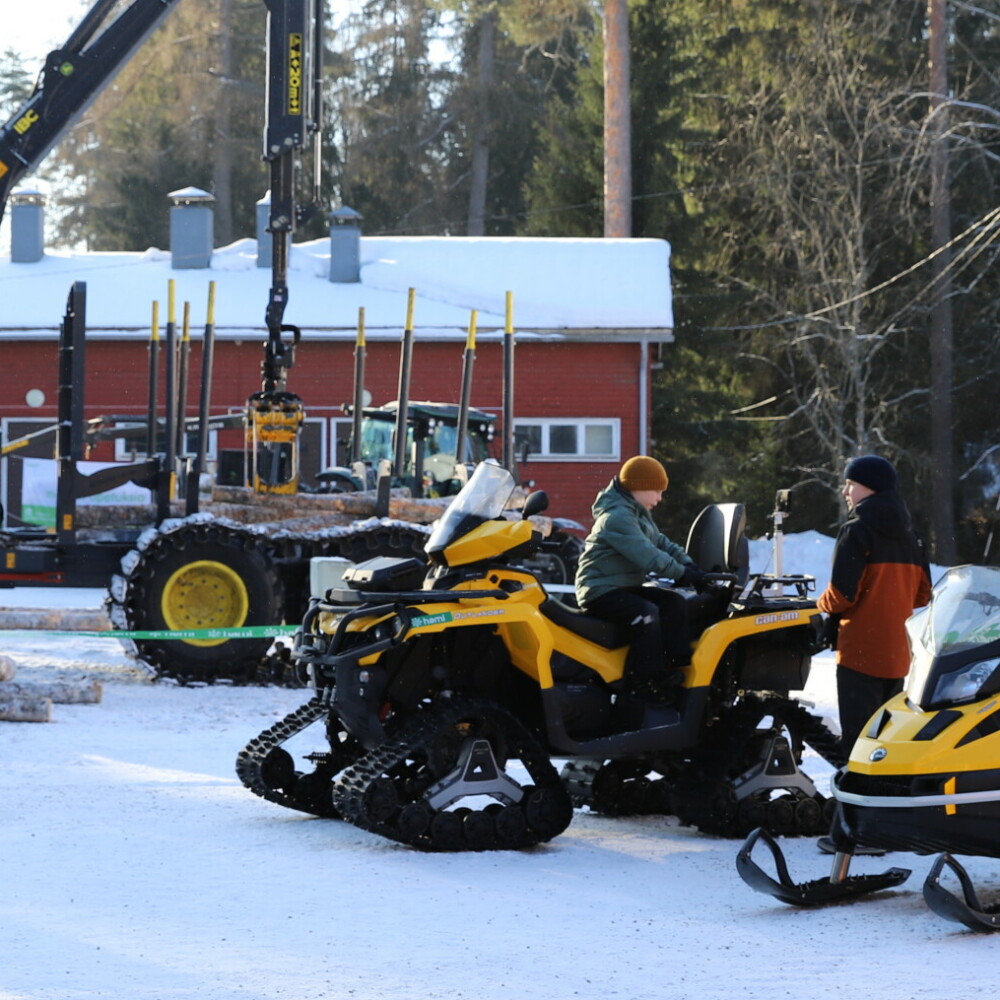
(55, 620)
(242, 505)
(32, 701)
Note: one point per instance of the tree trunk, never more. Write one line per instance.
(222, 167)
(617, 121)
(941, 410)
(481, 128)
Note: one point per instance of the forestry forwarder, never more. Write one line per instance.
(199, 571)
(75, 74)
(202, 570)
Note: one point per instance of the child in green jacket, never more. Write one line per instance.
(623, 549)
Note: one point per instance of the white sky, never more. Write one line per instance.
(33, 29)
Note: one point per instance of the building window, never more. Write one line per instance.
(130, 446)
(576, 438)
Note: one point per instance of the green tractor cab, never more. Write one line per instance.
(432, 468)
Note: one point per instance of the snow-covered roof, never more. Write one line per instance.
(561, 287)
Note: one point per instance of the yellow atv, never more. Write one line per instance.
(924, 775)
(448, 689)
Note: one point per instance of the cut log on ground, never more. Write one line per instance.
(25, 709)
(81, 692)
(7, 668)
(58, 620)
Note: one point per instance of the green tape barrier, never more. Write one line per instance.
(243, 632)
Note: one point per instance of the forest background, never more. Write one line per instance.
(792, 152)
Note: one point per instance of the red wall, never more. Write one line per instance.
(579, 379)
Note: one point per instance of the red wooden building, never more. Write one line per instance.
(589, 317)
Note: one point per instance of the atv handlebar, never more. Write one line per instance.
(717, 583)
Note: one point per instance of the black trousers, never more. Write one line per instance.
(658, 627)
(859, 696)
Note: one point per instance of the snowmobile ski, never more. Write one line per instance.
(967, 910)
(838, 888)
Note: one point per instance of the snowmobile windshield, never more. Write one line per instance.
(955, 640)
(482, 498)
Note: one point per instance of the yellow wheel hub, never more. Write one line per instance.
(204, 594)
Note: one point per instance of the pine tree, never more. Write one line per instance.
(15, 83)
(186, 110)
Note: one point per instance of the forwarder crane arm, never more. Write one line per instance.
(73, 76)
(294, 114)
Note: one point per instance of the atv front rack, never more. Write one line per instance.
(839, 887)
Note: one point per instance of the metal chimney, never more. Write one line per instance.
(27, 226)
(345, 245)
(192, 219)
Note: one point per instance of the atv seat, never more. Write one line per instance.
(704, 610)
(607, 634)
(717, 543)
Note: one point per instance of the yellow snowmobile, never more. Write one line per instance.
(924, 776)
(448, 688)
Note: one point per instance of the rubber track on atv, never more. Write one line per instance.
(625, 788)
(268, 771)
(704, 796)
(618, 788)
(384, 794)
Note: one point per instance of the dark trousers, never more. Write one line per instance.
(859, 697)
(658, 628)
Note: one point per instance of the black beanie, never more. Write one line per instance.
(876, 473)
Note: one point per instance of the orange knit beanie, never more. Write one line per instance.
(643, 473)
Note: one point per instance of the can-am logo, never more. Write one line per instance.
(879, 754)
(784, 616)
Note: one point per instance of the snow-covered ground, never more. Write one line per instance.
(135, 865)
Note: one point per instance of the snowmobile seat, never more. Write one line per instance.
(607, 634)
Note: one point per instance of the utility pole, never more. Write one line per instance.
(941, 331)
(617, 121)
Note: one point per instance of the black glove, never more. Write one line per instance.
(831, 628)
(692, 577)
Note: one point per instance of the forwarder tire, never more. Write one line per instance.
(204, 576)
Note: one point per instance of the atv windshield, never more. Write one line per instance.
(483, 498)
(955, 640)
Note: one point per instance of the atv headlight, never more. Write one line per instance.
(328, 621)
(967, 683)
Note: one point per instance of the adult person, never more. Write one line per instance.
(879, 575)
(622, 550)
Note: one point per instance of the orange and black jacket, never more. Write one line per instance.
(880, 574)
